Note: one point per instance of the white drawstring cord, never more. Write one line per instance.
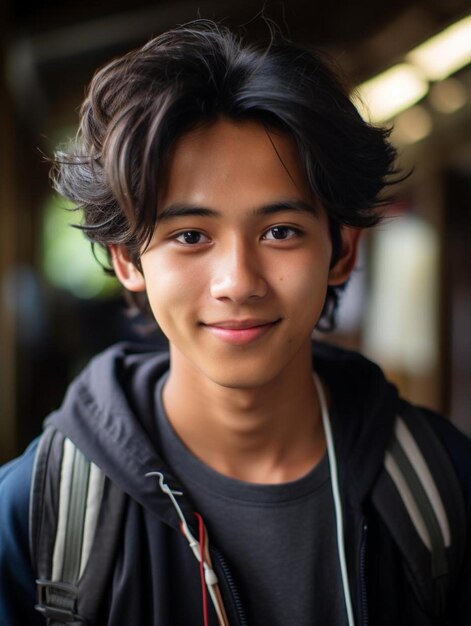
(336, 496)
(209, 574)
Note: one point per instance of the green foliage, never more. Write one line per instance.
(67, 258)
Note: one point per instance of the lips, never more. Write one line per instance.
(241, 332)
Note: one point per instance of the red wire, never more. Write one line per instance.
(203, 582)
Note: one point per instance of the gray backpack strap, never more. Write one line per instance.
(420, 500)
(75, 521)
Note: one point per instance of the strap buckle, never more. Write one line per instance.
(58, 602)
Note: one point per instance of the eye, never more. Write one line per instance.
(277, 233)
(191, 237)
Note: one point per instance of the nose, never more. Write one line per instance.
(238, 274)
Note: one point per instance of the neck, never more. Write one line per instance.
(268, 434)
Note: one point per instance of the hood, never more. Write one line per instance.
(109, 412)
(363, 409)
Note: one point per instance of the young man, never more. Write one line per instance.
(230, 185)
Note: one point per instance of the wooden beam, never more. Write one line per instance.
(8, 233)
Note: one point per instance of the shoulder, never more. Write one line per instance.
(17, 586)
(458, 447)
(15, 483)
(456, 443)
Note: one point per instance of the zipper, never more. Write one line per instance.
(231, 586)
(363, 594)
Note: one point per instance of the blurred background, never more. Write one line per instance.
(409, 303)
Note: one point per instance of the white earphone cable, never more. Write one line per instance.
(336, 496)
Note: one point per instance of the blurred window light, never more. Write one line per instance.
(448, 96)
(384, 96)
(412, 125)
(401, 327)
(445, 53)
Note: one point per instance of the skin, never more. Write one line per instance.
(236, 275)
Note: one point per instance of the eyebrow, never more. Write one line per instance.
(179, 209)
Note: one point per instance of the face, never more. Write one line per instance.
(237, 271)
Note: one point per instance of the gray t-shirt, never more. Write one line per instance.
(279, 540)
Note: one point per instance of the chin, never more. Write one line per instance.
(243, 377)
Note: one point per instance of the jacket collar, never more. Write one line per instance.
(109, 410)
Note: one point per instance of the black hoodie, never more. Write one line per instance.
(109, 413)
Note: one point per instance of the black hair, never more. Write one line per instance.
(139, 104)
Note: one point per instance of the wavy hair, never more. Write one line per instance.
(138, 105)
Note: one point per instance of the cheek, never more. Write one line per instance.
(304, 282)
(172, 286)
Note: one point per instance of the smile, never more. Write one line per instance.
(241, 332)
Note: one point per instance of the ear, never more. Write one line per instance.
(127, 273)
(340, 272)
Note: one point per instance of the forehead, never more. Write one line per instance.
(233, 163)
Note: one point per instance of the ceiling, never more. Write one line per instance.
(52, 48)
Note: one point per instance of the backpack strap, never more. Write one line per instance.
(75, 520)
(420, 500)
